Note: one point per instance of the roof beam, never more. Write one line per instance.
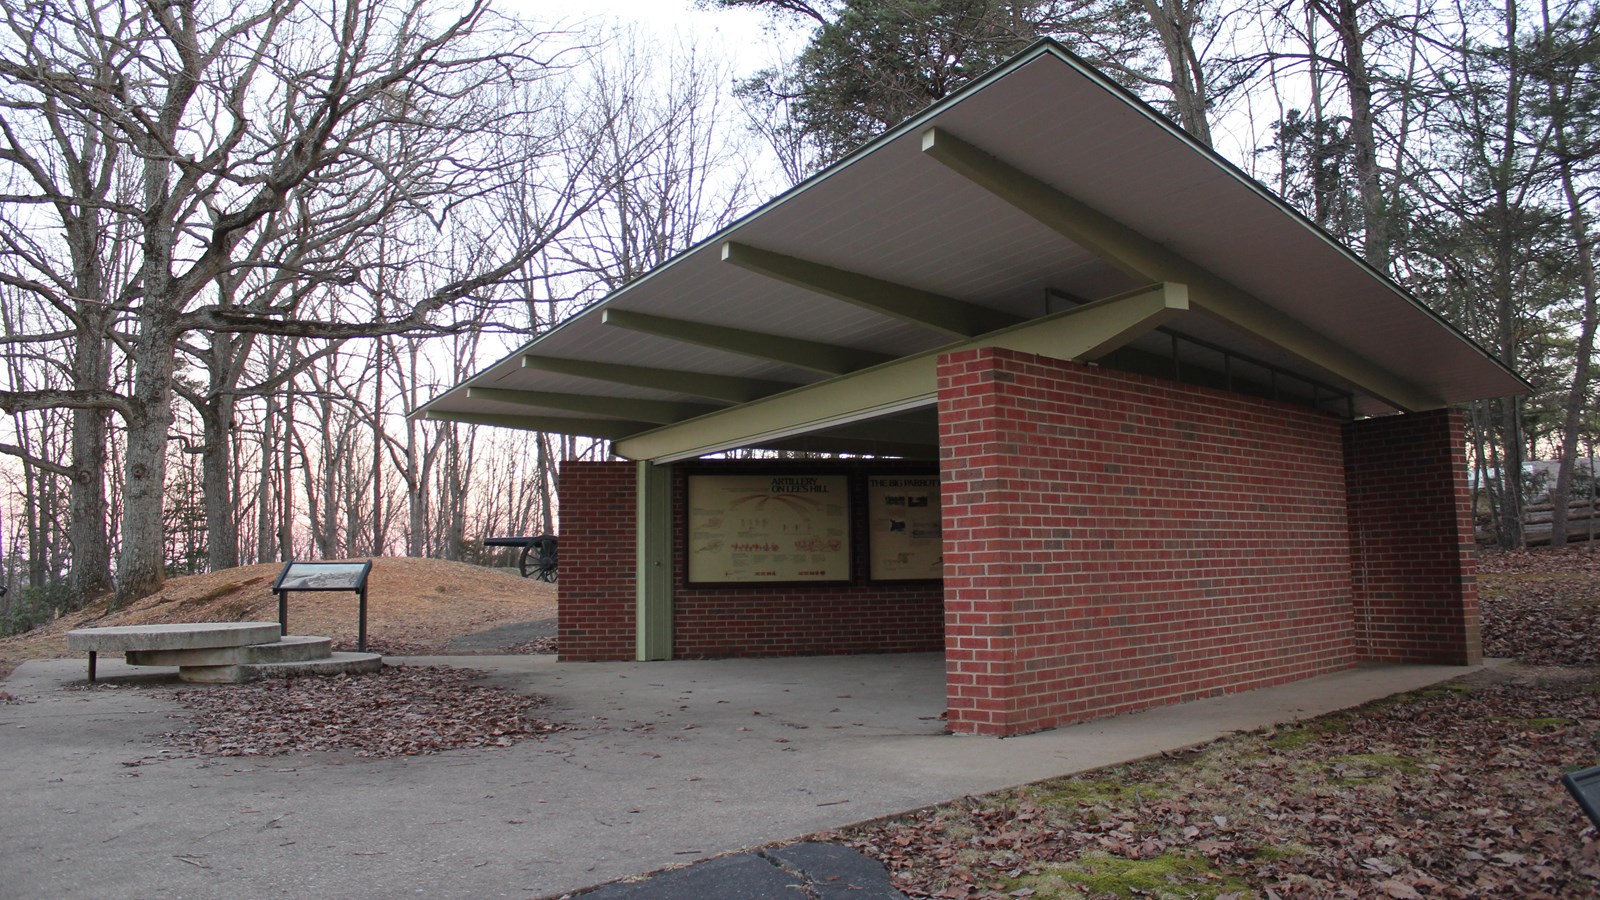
(822, 443)
(890, 429)
(1138, 256)
(602, 429)
(657, 412)
(729, 388)
(829, 359)
(1082, 332)
(957, 318)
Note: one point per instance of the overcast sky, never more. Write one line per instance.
(745, 36)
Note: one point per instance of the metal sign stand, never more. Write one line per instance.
(323, 576)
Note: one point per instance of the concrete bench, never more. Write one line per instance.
(220, 652)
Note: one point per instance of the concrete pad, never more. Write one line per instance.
(340, 663)
(332, 664)
(663, 764)
(287, 649)
(186, 636)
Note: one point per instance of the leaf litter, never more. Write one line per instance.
(1449, 792)
(400, 711)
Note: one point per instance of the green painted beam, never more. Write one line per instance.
(829, 359)
(957, 318)
(1138, 256)
(821, 443)
(731, 388)
(604, 429)
(656, 412)
(1085, 331)
(894, 430)
(653, 562)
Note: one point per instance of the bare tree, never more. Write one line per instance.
(245, 127)
(657, 115)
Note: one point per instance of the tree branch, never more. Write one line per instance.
(13, 402)
(37, 462)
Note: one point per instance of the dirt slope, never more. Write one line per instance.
(413, 606)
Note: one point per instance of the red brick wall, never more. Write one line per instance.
(596, 616)
(1413, 568)
(794, 620)
(1115, 542)
(594, 620)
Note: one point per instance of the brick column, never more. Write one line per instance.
(595, 618)
(1412, 553)
(980, 481)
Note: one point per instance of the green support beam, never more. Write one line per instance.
(821, 443)
(829, 359)
(957, 318)
(893, 430)
(1139, 257)
(603, 429)
(1084, 332)
(653, 563)
(657, 412)
(729, 388)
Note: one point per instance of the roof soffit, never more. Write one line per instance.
(891, 213)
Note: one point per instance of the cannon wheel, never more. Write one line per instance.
(531, 567)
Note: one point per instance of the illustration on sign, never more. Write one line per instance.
(752, 528)
(906, 541)
(320, 576)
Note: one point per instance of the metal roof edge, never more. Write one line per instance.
(1084, 68)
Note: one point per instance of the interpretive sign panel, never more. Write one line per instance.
(321, 576)
(1584, 785)
(904, 537)
(763, 528)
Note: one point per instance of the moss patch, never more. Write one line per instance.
(1549, 722)
(1275, 852)
(1078, 792)
(1168, 875)
(1292, 739)
(1369, 768)
(1437, 692)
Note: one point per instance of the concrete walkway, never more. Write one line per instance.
(666, 763)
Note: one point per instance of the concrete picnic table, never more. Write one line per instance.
(183, 636)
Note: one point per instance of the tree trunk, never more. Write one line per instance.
(1344, 18)
(216, 478)
(86, 515)
(1506, 322)
(380, 527)
(141, 567)
(1578, 394)
(1510, 523)
(1174, 22)
(266, 545)
(286, 493)
(546, 478)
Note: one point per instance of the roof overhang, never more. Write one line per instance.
(1040, 207)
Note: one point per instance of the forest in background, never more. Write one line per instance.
(240, 242)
